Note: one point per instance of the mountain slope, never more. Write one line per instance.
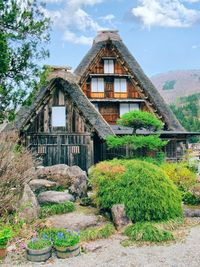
(175, 84)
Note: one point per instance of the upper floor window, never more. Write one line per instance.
(108, 66)
(120, 85)
(58, 116)
(127, 107)
(97, 85)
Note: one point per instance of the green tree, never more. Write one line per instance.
(138, 120)
(24, 30)
(187, 111)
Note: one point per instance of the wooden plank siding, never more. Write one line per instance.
(71, 145)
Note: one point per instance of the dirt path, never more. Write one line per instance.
(110, 253)
(113, 254)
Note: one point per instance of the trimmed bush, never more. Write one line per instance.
(147, 232)
(180, 174)
(144, 189)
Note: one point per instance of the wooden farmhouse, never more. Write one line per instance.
(72, 116)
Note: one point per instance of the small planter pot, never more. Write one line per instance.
(3, 253)
(38, 255)
(67, 252)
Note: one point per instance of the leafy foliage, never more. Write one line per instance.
(5, 235)
(134, 143)
(37, 85)
(152, 142)
(180, 174)
(144, 189)
(39, 243)
(187, 111)
(95, 233)
(24, 30)
(137, 119)
(61, 208)
(190, 199)
(147, 232)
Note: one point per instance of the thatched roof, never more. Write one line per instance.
(84, 106)
(144, 83)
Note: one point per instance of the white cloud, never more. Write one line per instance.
(165, 13)
(73, 20)
(195, 46)
(72, 37)
(108, 18)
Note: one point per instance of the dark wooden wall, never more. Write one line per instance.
(71, 145)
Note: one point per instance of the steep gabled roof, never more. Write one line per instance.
(68, 83)
(143, 82)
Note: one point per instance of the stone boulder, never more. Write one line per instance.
(54, 197)
(75, 220)
(72, 178)
(119, 217)
(78, 181)
(29, 208)
(41, 185)
(191, 212)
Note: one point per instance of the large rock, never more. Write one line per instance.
(119, 216)
(191, 212)
(75, 221)
(78, 181)
(54, 197)
(29, 208)
(71, 177)
(41, 185)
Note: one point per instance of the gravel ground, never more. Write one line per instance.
(110, 253)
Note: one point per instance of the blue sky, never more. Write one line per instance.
(163, 35)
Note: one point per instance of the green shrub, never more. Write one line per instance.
(5, 235)
(61, 208)
(180, 174)
(190, 199)
(39, 243)
(95, 233)
(144, 189)
(147, 232)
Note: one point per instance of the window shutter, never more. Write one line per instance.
(117, 85)
(134, 106)
(108, 66)
(100, 85)
(123, 86)
(97, 85)
(58, 117)
(124, 108)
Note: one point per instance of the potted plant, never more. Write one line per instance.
(66, 244)
(5, 235)
(39, 249)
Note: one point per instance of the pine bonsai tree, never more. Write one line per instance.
(139, 120)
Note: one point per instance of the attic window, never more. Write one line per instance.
(108, 66)
(58, 116)
(127, 107)
(97, 85)
(120, 86)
